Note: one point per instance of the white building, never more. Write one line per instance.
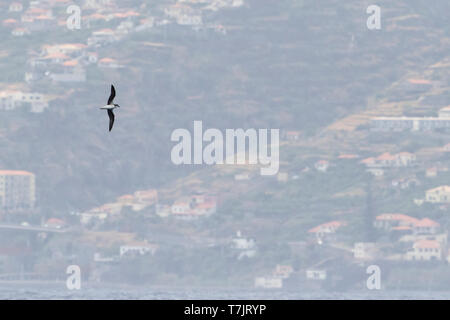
(20, 32)
(190, 20)
(412, 123)
(10, 100)
(438, 195)
(425, 250)
(313, 274)
(75, 75)
(245, 246)
(87, 217)
(17, 190)
(283, 271)
(269, 282)
(444, 112)
(364, 250)
(15, 7)
(322, 165)
(101, 37)
(138, 248)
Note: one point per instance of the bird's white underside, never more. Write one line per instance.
(110, 107)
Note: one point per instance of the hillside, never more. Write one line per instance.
(298, 66)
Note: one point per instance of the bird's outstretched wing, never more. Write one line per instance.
(112, 95)
(111, 119)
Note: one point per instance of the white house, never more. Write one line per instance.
(101, 37)
(283, 271)
(376, 172)
(322, 165)
(181, 207)
(138, 248)
(87, 217)
(446, 148)
(20, 32)
(10, 100)
(68, 49)
(438, 195)
(444, 112)
(326, 229)
(402, 159)
(245, 246)
(163, 210)
(189, 20)
(109, 63)
(313, 274)
(363, 250)
(97, 4)
(425, 250)
(426, 226)
(242, 243)
(69, 74)
(15, 7)
(193, 207)
(269, 282)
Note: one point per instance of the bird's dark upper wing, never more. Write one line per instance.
(111, 119)
(112, 95)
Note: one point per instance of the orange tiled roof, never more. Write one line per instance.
(348, 156)
(107, 60)
(368, 160)
(426, 223)
(7, 21)
(70, 63)
(56, 55)
(401, 228)
(396, 216)
(386, 156)
(43, 17)
(96, 16)
(126, 197)
(419, 81)
(15, 173)
(206, 205)
(405, 154)
(443, 188)
(36, 10)
(105, 30)
(55, 221)
(331, 224)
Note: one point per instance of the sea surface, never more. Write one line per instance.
(59, 292)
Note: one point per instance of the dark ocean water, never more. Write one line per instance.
(55, 292)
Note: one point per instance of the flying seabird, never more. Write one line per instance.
(111, 106)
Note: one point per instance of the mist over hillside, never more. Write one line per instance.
(312, 69)
(320, 64)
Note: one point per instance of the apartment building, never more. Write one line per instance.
(17, 190)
